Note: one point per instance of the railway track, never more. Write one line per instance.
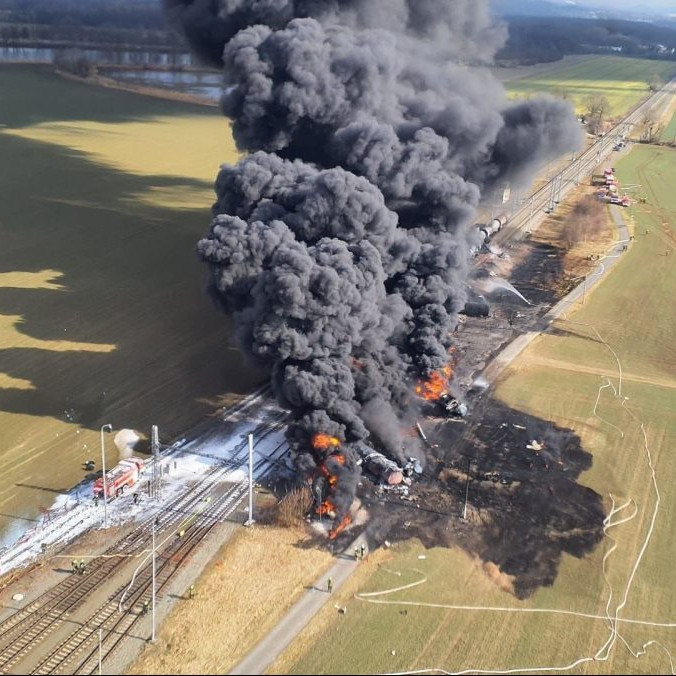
(544, 199)
(25, 630)
(79, 653)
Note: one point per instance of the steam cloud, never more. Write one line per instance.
(341, 243)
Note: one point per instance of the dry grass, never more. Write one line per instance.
(582, 227)
(292, 508)
(244, 592)
(586, 221)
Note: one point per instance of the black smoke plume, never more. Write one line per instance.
(341, 244)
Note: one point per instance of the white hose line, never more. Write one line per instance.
(614, 620)
(595, 411)
(507, 609)
(646, 542)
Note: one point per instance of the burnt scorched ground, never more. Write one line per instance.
(525, 505)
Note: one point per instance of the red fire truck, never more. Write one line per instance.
(120, 478)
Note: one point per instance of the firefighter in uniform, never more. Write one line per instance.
(74, 565)
(329, 585)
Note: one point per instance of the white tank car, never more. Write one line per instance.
(493, 227)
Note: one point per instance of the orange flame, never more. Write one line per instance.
(323, 441)
(327, 508)
(335, 532)
(333, 480)
(436, 385)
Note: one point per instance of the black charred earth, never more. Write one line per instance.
(525, 507)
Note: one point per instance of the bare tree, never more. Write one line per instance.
(585, 220)
(651, 128)
(562, 93)
(655, 83)
(74, 61)
(596, 107)
(294, 506)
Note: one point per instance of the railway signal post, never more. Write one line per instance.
(153, 610)
(250, 520)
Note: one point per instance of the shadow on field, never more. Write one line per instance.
(131, 337)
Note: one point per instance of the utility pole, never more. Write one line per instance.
(464, 510)
(100, 650)
(552, 195)
(155, 448)
(560, 187)
(530, 218)
(584, 289)
(250, 521)
(153, 618)
(318, 493)
(108, 428)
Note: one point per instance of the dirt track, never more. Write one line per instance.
(537, 360)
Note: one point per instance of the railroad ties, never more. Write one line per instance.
(24, 631)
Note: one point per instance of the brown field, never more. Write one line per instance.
(103, 315)
(243, 593)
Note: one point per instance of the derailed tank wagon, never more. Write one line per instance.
(379, 465)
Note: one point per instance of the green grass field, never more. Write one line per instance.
(558, 379)
(103, 315)
(623, 81)
(669, 133)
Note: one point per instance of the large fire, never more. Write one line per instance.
(331, 478)
(337, 530)
(436, 385)
(323, 442)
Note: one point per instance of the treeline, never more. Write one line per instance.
(131, 14)
(15, 34)
(111, 22)
(539, 39)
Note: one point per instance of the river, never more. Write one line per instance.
(136, 67)
(140, 58)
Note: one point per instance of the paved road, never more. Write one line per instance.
(274, 644)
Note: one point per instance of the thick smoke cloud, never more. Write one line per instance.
(342, 243)
(461, 28)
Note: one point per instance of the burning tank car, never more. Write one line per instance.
(451, 406)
